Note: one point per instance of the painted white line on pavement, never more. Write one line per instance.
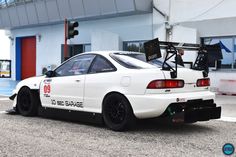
(5, 95)
(228, 119)
(4, 99)
(3, 112)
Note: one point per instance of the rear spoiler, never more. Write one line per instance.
(205, 52)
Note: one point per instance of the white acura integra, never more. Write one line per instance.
(120, 87)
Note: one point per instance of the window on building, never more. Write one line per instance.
(74, 49)
(135, 46)
(228, 48)
(5, 68)
(87, 47)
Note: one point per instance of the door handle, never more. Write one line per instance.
(77, 80)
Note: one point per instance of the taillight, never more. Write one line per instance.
(160, 84)
(203, 82)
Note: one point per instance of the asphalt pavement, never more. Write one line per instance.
(24, 136)
(228, 104)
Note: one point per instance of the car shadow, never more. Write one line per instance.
(160, 125)
(168, 127)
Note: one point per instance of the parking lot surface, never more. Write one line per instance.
(24, 136)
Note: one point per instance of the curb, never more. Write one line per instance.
(228, 94)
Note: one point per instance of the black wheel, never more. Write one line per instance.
(27, 102)
(117, 112)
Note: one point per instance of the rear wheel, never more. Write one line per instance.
(117, 112)
(27, 102)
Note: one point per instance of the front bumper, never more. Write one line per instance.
(12, 97)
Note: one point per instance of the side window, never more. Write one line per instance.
(75, 66)
(101, 65)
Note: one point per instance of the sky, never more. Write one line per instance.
(4, 46)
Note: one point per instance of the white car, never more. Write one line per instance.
(120, 88)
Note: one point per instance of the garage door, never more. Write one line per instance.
(28, 57)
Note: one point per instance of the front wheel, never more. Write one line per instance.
(117, 112)
(27, 102)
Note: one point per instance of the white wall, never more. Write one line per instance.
(4, 45)
(129, 28)
(48, 49)
(159, 30)
(137, 27)
(112, 41)
(216, 27)
(162, 5)
(185, 35)
(216, 76)
(195, 10)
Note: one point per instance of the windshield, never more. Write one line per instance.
(131, 60)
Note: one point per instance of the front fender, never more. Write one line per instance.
(32, 83)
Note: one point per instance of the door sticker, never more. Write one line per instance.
(46, 88)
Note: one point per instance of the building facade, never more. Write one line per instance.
(114, 25)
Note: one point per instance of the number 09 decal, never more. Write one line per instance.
(47, 88)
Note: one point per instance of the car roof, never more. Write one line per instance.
(109, 52)
(105, 53)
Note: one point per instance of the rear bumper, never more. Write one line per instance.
(193, 111)
(195, 115)
(154, 105)
(203, 114)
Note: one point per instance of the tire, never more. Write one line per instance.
(117, 112)
(28, 102)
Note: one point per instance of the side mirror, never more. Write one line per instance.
(50, 73)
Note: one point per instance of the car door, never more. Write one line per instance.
(65, 90)
(101, 78)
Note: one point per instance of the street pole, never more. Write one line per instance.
(169, 27)
(65, 44)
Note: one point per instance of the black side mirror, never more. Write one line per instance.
(50, 73)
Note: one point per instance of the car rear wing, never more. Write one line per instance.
(206, 53)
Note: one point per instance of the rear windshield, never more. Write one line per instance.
(158, 62)
(131, 60)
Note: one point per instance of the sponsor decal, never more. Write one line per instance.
(46, 88)
(180, 100)
(67, 103)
